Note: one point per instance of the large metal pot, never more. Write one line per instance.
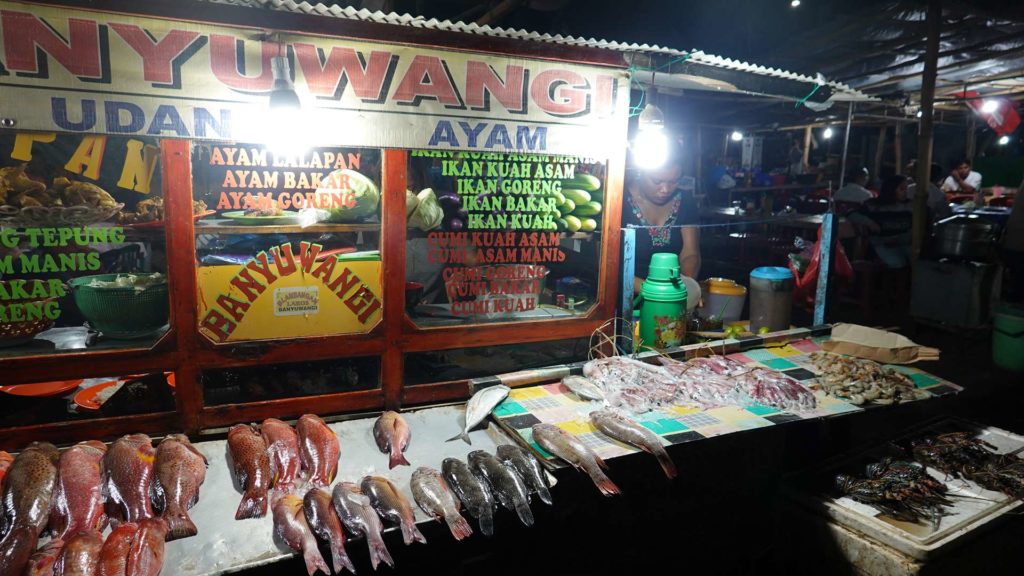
(964, 237)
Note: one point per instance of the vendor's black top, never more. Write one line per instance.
(668, 238)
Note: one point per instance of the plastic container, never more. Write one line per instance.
(122, 312)
(723, 298)
(662, 303)
(771, 298)
(1008, 337)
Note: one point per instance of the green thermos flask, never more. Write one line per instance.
(662, 303)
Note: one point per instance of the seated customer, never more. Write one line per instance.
(854, 192)
(888, 221)
(962, 180)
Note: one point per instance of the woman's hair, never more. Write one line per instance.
(887, 193)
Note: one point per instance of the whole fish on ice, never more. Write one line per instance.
(360, 519)
(78, 499)
(391, 505)
(283, 447)
(318, 450)
(508, 488)
(391, 433)
(528, 469)
(28, 489)
(180, 471)
(584, 388)
(80, 555)
(325, 524)
(433, 497)
(42, 562)
(251, 465)
(291, 527)
(479, 407)
(128, 478)
(474, 493)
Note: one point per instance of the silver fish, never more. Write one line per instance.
(584, 388)
(623, 429)
(479, 407)
(569, 448)
(528, 469)
(360, 519)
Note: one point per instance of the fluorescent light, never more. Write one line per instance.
(920, 113)
(989, 106)
(827, 133)
(285, 132)
(736, 136)
(794, 3)
(1004, 140)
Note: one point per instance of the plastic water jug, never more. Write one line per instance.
(662, 303)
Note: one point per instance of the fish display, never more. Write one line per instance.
(528, 468)
(251, 465)
(180, 470)
(434, 498)
(318, 450)
(16, 549)
(128, 478)
(41, 563)
(325, 524)
(28, 489)
(584, 388)
(134, 549)
(360, 519)
(80, 555)
(391, 505)
(78, 498)
(508, 488)
(619, 427)
(479, 407)
(575, 452)
(963, 455)
(391, 433)
(474, 493)
(283, 448)
(291, 528)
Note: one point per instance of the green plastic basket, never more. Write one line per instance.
(122, 313)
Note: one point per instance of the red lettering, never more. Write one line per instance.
(218, 324)
(23, 32)
(284, 259)
(561, 92)
(249, 286)
(236, 308)
(343, 66)
(427, 77)
(307, 254)
(224, 57)
(482, 80)
(343, 283)
(261, 266)
(325, 269)
(158, 57)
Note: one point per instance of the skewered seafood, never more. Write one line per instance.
(859, 381)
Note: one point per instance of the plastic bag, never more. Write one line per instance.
(806, 280)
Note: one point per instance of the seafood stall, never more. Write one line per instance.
(252, 219)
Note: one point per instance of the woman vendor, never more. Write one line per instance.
(666, 216)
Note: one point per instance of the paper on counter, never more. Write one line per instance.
(878, 345)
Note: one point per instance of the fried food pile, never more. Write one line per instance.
(152, 210)
(20, 191)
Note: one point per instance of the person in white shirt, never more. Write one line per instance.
(962, 180)
(854, 191)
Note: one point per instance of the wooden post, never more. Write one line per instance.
(927, 127)
(806, 162)
(971, 146)
(880, 151)
(699, 171)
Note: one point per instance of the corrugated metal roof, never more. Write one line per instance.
(841, 91)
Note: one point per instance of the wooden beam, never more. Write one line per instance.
(927, 127)
(806, 161)
(897, 146)
(880, 151)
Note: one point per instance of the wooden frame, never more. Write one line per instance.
(185, 352)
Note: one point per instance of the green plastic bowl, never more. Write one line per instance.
(122, 313)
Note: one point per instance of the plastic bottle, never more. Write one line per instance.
(663, 303)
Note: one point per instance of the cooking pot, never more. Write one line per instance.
(964, 237)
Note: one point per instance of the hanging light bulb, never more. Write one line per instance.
(920, 113)
(989, 106)
(736, 136)
(795, 4)
(286, 132)
(650, 147)
(827, 133)
(1004, 140)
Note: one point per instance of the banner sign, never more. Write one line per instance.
(75, 70)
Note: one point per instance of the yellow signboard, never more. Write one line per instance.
(279, 295)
